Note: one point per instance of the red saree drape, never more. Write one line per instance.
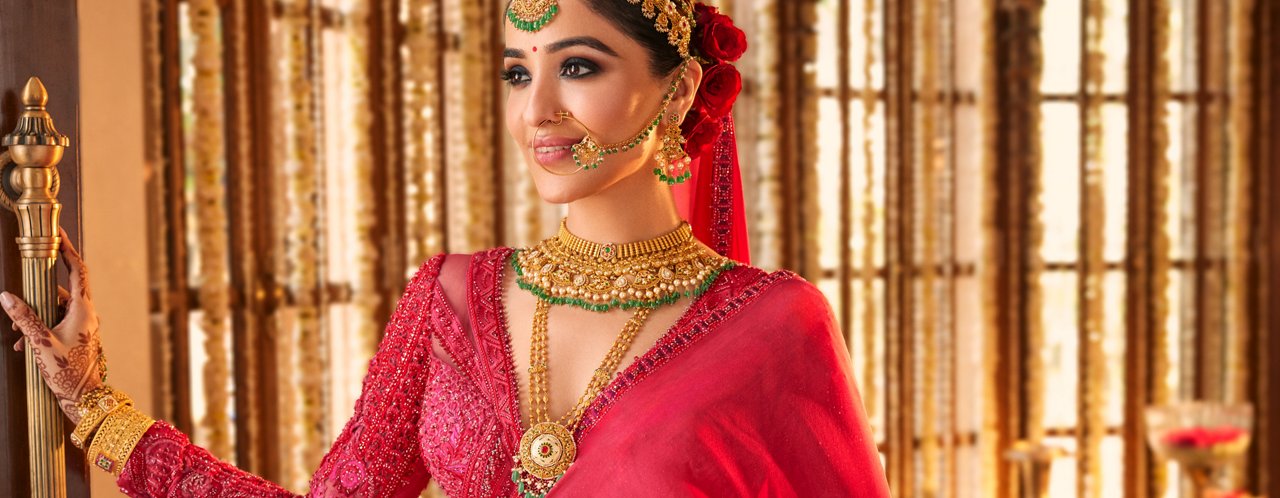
(748, 394)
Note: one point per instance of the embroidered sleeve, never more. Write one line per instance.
(377, 453)
(165, 463)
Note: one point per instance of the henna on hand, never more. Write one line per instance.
(67, 355)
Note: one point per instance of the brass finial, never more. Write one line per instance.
(35, 126)
(34, 94)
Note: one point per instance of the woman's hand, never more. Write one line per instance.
(69, 355)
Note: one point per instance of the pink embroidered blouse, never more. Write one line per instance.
(748, 394)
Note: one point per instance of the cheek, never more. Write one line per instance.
(514, 117)
(610, 112)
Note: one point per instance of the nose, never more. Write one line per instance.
(543, 102)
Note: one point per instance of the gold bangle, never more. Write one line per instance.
(92, 397)
(93, 409)
(117, 437)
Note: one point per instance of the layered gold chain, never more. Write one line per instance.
(539, 362)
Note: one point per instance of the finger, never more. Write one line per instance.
(65, 245)
(26, 319)
(75, 266)
(64, 296)
(17, 346)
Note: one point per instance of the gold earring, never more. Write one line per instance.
(673, 161)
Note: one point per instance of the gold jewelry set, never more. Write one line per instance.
(111, 425)
(676, 19)
(569, 270)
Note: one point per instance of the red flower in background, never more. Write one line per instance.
(1202, 437)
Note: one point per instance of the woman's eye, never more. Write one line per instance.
(515, 76)
(577, 68)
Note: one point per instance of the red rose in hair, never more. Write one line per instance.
(692, 121)
(694, 128)
(718, 38)
(702, 138)
(721, 84)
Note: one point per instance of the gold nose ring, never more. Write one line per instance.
(563, 114)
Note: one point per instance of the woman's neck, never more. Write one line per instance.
(635, 208)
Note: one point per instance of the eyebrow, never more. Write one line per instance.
(581, 41)
(577, 41)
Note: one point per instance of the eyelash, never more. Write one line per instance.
(512, 76)
(518, 75)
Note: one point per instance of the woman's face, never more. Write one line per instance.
(581, 64)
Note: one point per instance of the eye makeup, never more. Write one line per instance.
(573, 68)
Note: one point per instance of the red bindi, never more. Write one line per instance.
(535, 49)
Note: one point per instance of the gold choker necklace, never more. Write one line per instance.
(570, 270)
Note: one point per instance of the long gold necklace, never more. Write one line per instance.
(548, 448)
(569, 270)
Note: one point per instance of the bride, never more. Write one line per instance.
(631, 354)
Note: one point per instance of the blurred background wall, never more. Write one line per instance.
(114, 171)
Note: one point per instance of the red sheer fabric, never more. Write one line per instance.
(748, 394)
(711, 200)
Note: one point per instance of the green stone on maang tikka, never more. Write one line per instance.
(534, 25)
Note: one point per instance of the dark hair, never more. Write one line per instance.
(630, 19)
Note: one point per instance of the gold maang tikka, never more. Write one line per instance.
(532, 15)
(673, 17)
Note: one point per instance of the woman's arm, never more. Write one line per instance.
(377, 453)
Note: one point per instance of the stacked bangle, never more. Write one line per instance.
(94, 407)
(115, 440)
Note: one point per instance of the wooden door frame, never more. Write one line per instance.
(37, 38)
(1264, 384)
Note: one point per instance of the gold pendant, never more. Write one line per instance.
(546, 452)
(547, 449)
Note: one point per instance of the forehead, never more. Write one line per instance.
(574, 19)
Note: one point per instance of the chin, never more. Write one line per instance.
(556, 189)
(556, 194)
(566, 189)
